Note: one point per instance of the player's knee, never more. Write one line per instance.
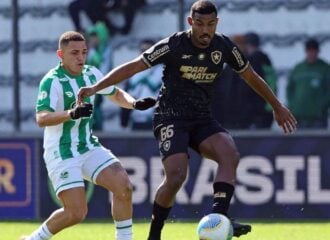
(176, 180)
(236, 158)
(230, 160)
(76, 215)
(125, 192)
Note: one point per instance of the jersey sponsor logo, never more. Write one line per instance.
(158, 53)
(43, 95)
(238, 57)
(64, 79)
(197, 73)
(216, 57)
(69, 94)
(185, 56)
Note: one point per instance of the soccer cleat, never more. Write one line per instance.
(240, 229)
(152, 238)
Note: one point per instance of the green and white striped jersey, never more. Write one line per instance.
(57, 92)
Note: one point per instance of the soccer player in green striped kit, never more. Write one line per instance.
(71, 152)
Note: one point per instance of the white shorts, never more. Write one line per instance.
(70, 173)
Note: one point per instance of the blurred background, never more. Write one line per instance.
(283, 28)
(293, 168)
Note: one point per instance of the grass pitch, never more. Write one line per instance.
(173, 231)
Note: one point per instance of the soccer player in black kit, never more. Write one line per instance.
(193, 61)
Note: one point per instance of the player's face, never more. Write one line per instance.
(203, 27)
(312, 55)
(73, 57)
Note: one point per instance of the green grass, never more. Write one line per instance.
(173, 231)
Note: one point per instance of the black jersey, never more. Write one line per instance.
(190, 73)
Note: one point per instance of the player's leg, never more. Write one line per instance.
(74, 211)
(215, 143)
(175, 167)
(68, 183)
(104, 169)
(115, 179)
(221, 148)
(173, 143)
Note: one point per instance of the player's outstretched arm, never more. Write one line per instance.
(285, 119)
(282, 115)
(125, 100)
(117, 75)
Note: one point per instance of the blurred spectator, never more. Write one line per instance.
(230, 105)
(308, 88)
(146, 83)
(128, 8)
(228, 98)
(98, 10)
(100, 49)
(100, 56)
(262, 113)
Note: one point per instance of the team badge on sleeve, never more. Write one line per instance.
(43, 95)
(216, 57)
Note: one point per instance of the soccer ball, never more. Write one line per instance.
(215, 226)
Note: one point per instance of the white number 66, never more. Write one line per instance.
(166, 132)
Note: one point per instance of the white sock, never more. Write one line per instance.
(42, 233)
(124, 229)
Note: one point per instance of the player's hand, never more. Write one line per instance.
(285, 119)
(85, 92)
(81, 110)
(144, 103)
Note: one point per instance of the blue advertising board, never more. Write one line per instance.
(278, 178)
(17, 179)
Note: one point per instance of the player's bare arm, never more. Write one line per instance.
(115, 76)
(125, 100)
(282, 115)
(46, 118)
(122, 99)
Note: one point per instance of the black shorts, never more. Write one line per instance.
(175, 136)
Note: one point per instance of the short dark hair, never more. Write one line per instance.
(69, 36)
(203, 7)
(147, 41)
(145, 44)
(312, 44)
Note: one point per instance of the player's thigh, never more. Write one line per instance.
(114, 178)
(212, 141)
(65, 174)
(220, 147)
(172, 137)
(176, 166)
(74, 199)
(95, 161)
(103, 168)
